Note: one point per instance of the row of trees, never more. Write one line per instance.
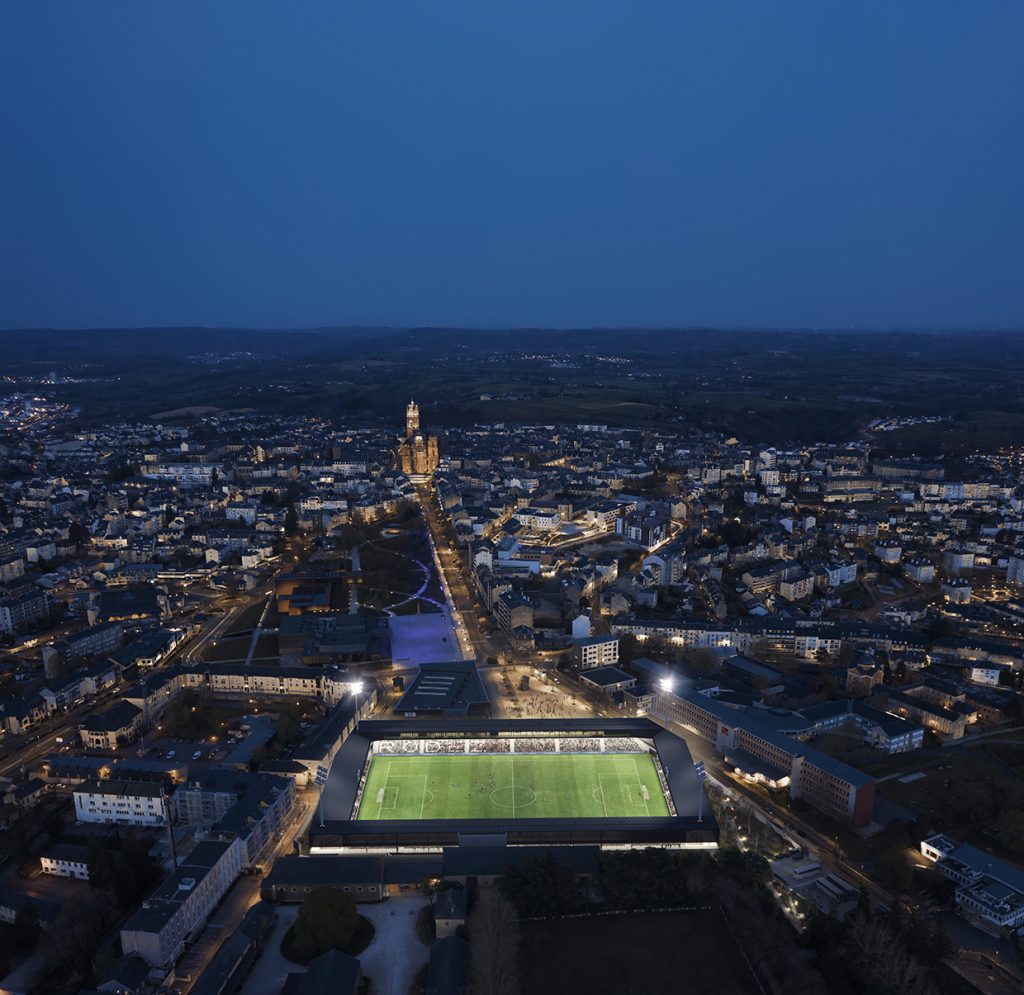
(866, 955)
(869, 954)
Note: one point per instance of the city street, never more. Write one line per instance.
(464, 605)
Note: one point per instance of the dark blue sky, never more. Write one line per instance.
(540, 162)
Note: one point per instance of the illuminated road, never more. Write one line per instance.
(475, 644)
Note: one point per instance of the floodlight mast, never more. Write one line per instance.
(666, 689)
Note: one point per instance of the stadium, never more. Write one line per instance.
(427, 784)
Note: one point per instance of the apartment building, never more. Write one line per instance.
(66, 860)
(989, 892)
(512, 610)
(597, 651)
(20, 612)
(539, 519)
(252, 808)
(119, 725)
(945, 722)
(96, 640)
(178, 910)
(258, 818)
(121, 803)
(878, 729)
(774, 757)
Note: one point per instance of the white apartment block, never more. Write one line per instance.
(121, 803)
(597, 651)
(66, 861)
(539, 519)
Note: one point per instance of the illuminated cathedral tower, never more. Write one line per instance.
(417, 453)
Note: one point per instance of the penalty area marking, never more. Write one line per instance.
(644, 793)
(630, 801)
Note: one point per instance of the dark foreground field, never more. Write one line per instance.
(633, 955)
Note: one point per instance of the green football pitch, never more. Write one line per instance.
(503, 786)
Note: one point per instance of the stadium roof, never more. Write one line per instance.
(447, 688)
(693, 822)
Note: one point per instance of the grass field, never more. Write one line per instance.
(620, 955)
(547, 786)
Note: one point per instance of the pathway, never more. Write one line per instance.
(271, 970)
(395, 954)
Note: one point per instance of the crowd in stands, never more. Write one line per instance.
(530, 744)
(620, 744)
(489, 745)
(444, 745)
(535, 745)
(397, 747)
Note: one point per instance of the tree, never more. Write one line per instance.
(629, 647)
(494, 946)
(326, 921)
(25, 931)
(78, 533)
(119, 472)
(735, 533)
(541, 887)
(894, 872)
(1010, 829)
(78, 930)
(288, 729)
(125, 869)
(291, 520)
(879, 959)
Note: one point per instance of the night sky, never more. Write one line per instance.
(541, 162)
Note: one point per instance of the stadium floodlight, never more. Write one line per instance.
(356, 687)
(666, 689)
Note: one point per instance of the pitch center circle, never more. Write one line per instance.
(513, 797)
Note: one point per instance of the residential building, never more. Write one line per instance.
(597, 651)
(990, 891)
(66, 860)
(512, 610)
(119, 725)
(122, 803)
(178, 910)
